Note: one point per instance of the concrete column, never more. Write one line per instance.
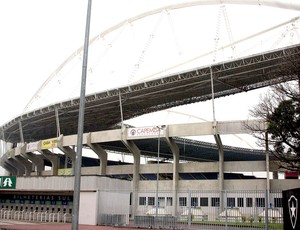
(23, 160)
(101, 153)
(69, 152)
(221, 168)
(175, 150)
(54, 159)
(27, 165)
(136, 171)
(13, 171)
(18, 166)
(275, 175)
(37, 160)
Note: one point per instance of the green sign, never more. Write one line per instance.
(8, 182)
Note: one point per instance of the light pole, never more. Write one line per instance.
(157, 174)
(77, 174)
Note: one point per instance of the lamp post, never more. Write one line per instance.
(77, 174)
(157, 174)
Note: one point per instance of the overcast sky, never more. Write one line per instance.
(37, 36)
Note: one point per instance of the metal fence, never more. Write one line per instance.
(210, 210)
(11, 214)
(113, 220)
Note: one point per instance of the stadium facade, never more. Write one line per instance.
(135, 189)
(46, 138)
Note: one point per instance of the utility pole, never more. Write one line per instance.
(76, 196)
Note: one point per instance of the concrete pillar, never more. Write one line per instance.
(18, 166)
(54, 159)
(136, 171)
(175, 151)
(69, 152)
(13, 171)
(37, 161)
(22, 160)
(221, 169)
(101, 153)
(275, 175)
(27, 165)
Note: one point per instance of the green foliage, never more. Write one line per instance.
(284, 130)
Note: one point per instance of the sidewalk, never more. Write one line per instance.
(13, 225)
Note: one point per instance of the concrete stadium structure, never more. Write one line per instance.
(181, 163)
(41, 149)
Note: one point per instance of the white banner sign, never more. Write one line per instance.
(144, 131)
(32, 146)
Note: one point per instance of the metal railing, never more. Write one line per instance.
(34, 216)
(211, 210)
(113, 220)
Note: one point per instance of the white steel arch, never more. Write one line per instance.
(288, 5)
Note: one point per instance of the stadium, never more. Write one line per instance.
(173, 178)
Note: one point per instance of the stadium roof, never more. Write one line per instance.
(102, 110)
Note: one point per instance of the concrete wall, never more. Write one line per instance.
(285, 184)
(231, 166)
(117, 203)
(238, 185)
(88, 208)
(95, 183)
(60, 183)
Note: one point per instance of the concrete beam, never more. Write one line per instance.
(221, 128)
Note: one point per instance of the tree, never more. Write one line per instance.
(280, 109)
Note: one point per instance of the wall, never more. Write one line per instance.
(114, 202)
(61, 183)
(88, 208)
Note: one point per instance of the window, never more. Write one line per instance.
(194, 201)
(215, 202)
(249, 202)
(130, 199)
(230, 202)
(169, 201)
(151, 200)
(203, 201)
(182, 201)
(142, 200)
(161, 202)
(240, 202)
(260, 202)
(278, 202)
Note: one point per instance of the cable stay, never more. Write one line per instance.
(146, 47)
(223, 12)
(178, 47)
